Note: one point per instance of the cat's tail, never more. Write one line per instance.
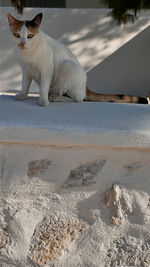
(96, 97)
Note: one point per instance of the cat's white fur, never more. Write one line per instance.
(52, 65)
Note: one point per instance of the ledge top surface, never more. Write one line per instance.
(110, 121)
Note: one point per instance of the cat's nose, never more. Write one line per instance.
(22, 44)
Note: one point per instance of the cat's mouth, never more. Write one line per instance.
(22, 48)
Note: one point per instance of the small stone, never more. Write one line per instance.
(4, 237)
(50, 243)
(38, 166)
(84, 175)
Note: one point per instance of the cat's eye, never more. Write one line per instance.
(30, 36)
(17, 35)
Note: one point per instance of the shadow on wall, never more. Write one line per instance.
(89, 33)
(126, 71)
(10, 74)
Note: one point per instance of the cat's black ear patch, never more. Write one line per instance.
(35, 23)
(38, 19)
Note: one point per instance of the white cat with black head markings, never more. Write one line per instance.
(55, 69)
(53, 66)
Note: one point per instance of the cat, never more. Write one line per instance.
(53, 66)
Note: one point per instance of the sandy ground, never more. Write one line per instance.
(74, 207)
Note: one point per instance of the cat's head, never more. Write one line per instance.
(24, 32)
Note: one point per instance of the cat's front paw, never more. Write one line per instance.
(44, 103)
(21, 96)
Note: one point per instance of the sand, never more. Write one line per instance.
(96, 213)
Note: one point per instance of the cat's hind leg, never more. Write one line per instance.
(71, 81)
(58, 98)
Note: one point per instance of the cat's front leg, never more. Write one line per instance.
(43, 101)
(44, 90)
(26, 81)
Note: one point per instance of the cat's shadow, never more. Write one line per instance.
(11, 97)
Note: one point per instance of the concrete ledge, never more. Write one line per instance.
(74, 124)
(80, 171)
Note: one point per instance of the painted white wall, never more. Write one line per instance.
(90, 34)
(127, 70)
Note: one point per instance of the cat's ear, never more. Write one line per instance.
(37, 19)
(12, 20)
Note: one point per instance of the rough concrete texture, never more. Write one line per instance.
(38, 166)
(123, 204)
(51, 237)
(4, 237)
(45, 224)
(129, 251)
(84, 174)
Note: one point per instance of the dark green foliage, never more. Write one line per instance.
(126, 10)
(128, 4)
